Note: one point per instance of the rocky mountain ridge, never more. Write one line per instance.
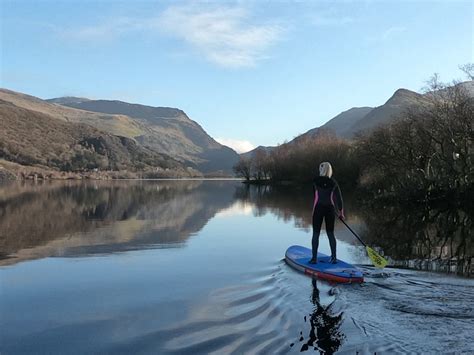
(166, 130)
(359, 120)
(160, 130)
(35, 139)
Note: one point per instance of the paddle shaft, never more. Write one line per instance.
(348, 227)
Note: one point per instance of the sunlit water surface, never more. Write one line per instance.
(197, 267)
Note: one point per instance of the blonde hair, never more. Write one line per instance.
(325, 169)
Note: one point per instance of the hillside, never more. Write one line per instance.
(166, 130)
(363, 119)
(67, 100)
(114, 124)
(251, 153)
(357, 120)
(119, 107)
(401, 101)
(343, 124)
(33, 138)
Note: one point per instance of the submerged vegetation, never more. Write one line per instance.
(426, 153)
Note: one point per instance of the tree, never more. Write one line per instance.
(243, 168)
(429, 150)
(468, 69)
(260, 164)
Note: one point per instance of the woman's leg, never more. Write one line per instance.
(330, 217)
(317, 222)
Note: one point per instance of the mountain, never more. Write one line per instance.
(357, 120)
(119, 125)
(363, 119)
(468, 87)
(251, 153)
(166, 130)
(33, 138)
(401, 101)
(342, 124)
(67, 100)
(116, 107)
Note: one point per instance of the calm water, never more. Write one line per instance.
(197, 267)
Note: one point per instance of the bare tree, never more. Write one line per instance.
(243, 168)
(429, 150)
(468, 69)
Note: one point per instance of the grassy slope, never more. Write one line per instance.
(33, 138)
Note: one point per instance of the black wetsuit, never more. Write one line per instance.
(327, 199)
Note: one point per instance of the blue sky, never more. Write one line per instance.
(251, 73)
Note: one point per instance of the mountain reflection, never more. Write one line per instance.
(416, 236)
(74, 218)
(77, 218)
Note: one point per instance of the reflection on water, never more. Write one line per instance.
(191, 267)
(288, 203)
(425, 238)
(420, 237)
(325, 334)
(74, 218)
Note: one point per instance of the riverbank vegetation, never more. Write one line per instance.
(426, 153)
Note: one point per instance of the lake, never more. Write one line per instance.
(172, 267)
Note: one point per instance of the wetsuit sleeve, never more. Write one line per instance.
(339, 202)
(315, 196)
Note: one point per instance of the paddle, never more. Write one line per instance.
(377, 259)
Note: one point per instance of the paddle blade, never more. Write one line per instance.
(377, 260)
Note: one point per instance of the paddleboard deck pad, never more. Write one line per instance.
(298, 257)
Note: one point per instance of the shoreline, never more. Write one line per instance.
(10, 171)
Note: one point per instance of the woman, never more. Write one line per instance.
(327, 202)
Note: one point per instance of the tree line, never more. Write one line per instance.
(425, 153)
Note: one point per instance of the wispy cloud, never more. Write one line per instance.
(226, 35)
(107, 30)
(386, 35)
(237, 209)
(240, 146)
(330, 20)
(393, 31)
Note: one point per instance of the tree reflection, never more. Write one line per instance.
(438, 238)
(423, 237)
(286, 202)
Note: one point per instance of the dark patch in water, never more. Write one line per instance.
(325, 327)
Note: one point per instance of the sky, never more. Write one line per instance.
(249, 72)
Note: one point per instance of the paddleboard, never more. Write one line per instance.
(298, 257)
